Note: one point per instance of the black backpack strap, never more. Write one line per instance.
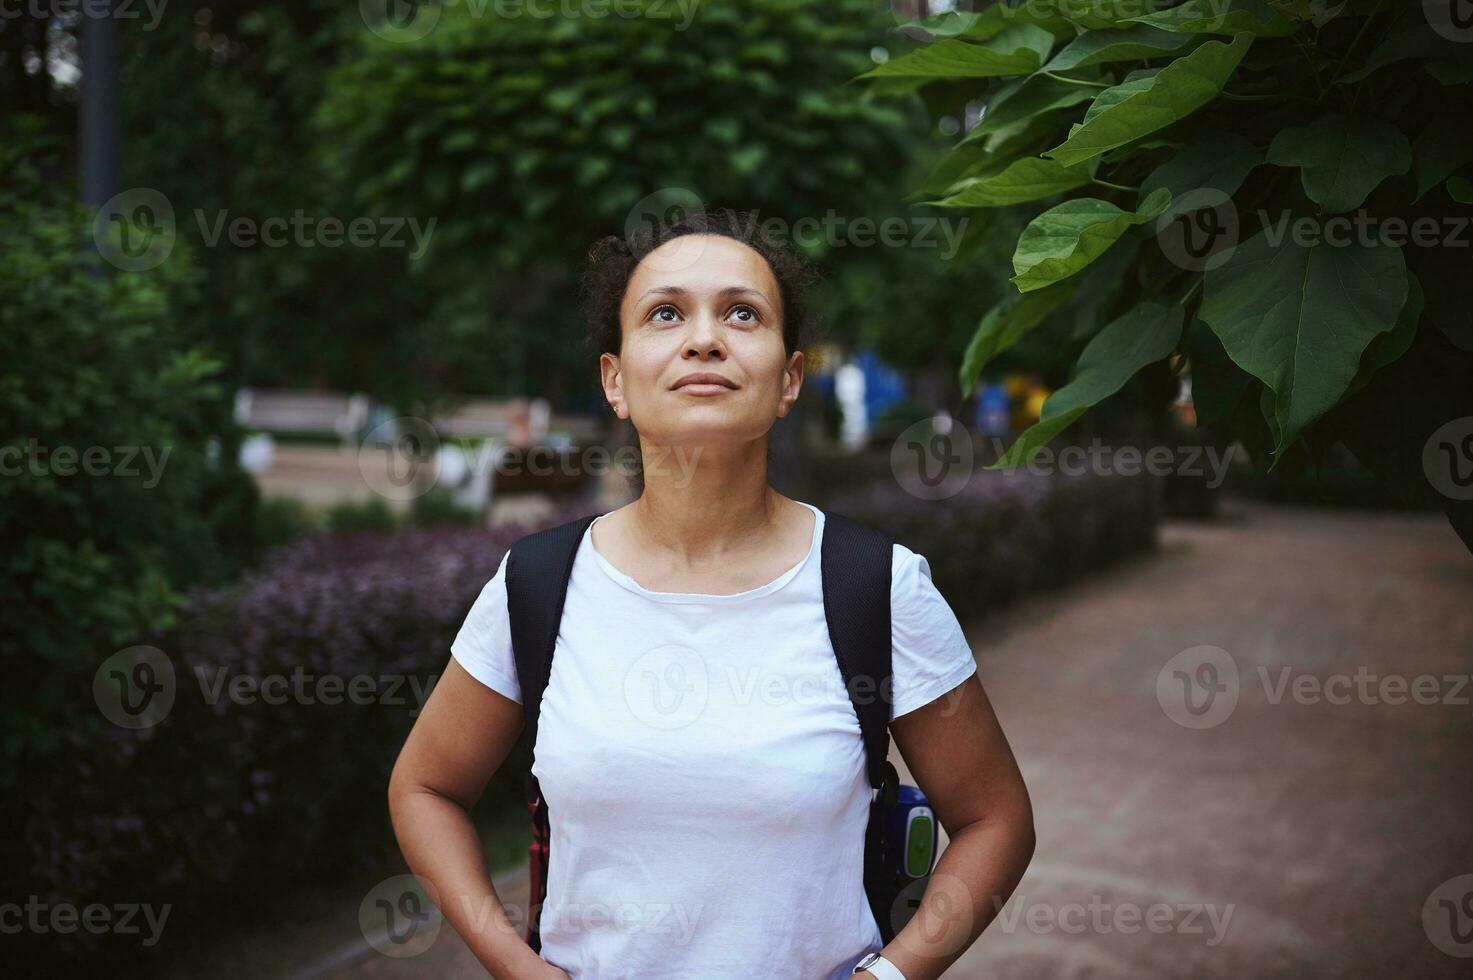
(537, 573)
(856, 601)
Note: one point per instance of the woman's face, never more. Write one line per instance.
(701, 304)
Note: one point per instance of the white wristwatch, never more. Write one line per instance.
(879, 967)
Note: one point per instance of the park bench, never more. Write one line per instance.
(302, 413)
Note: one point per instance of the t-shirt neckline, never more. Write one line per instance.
(702, 597)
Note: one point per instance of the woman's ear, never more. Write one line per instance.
(792, 383)
(608, 367)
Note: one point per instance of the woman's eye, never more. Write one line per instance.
(750, 314)
(658, 313)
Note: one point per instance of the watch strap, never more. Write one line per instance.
(880, 968)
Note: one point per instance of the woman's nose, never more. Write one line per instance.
(705, 339)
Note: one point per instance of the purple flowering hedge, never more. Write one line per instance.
(1009, 533)
(226, 805)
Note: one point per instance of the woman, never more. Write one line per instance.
(720, 837)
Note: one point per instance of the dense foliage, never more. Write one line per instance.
(1011, 534)
(231, 797)
(528, 138)
(115, 491)
(1271, 195)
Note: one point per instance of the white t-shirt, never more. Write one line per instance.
(703, 769)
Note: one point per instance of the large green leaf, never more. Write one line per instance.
(1101, 14)
(1020, 103)
(1142, 336)
(998, 17)
(1414, 41)
(1255, 17)
(960, 162)
(1444, 146)
(1107, 47)
(1152, 101)
(1216, 161)
(1017, 50)
(1007, 323)
(1069, 236)
(1298, 318)
(1217, 383)
(1342, 159)
(1389, 347)
(1026, 179)
(1031, 134)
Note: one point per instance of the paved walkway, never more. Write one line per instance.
(1266, 831)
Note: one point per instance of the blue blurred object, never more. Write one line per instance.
(994, 411)
(883, 385)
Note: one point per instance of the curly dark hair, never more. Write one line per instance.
(612, 260)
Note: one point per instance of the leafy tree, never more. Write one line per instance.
(218, 101)
(1270, 194)
(527, 139)
(115, 493)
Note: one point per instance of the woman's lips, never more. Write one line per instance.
(702, 388)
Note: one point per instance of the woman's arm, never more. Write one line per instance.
(463, 734)
(961, 760)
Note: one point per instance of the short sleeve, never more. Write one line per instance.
(929, 653)
(483, 645)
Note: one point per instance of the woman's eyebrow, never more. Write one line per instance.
(682, 291)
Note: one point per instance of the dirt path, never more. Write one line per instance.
(1263, 832)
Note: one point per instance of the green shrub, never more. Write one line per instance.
(367, 515)
(117, 490)
(280, 520)
(439, 508)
